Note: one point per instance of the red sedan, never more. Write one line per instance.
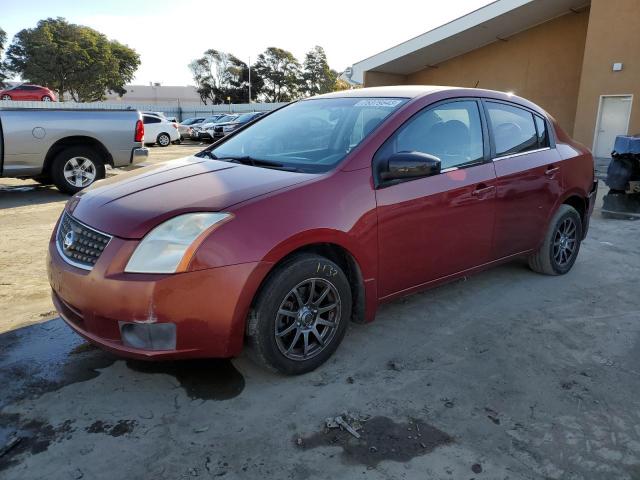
(289, 228)
(27, 91)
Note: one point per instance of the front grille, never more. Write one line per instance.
(218, 129)
(78, 244)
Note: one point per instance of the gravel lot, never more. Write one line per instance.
(28, 213)
(508, 374)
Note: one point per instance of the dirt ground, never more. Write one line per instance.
(28, 213)
(505, 375)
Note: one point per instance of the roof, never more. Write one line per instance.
(496, 21)
(400, 91)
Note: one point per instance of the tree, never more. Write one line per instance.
(280, 72)
(72, 58)
(3, 38)
(220, 75)
(318, 77)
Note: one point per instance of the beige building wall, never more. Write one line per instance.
(380, 79)
(613, 36)
(542, 64)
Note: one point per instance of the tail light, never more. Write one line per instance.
(175, 125)
(139, 131)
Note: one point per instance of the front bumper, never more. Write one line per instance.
(201, 313)
(139, 155)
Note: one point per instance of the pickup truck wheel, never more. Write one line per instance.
(6, 97)
(561, 244)
(300, 316)
(164, 140)
(76, 168)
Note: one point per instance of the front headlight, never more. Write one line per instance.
(168, 248)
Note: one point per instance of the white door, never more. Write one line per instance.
(613, 120)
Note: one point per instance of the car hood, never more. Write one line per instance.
(130, 204)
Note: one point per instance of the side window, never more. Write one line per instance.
(451, 131)
(513, 129)
(147, 119)
(543, 133)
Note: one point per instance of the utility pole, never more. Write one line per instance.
(249, 79)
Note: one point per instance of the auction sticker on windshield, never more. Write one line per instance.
(378, 102)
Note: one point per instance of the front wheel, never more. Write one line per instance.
(47, 98)
(6, 97)
(301, 315)
(164, 140)
(76, 168)
(561, 244)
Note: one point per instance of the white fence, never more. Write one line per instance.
(173, 110)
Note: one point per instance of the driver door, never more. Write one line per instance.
(434, 227)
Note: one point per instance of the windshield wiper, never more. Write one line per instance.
(256, 162)
(207, 154)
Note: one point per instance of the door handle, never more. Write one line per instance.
(482, 189)
(551, 171)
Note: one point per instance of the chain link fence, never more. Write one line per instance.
(170, 110)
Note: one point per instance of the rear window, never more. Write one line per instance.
(514, 130)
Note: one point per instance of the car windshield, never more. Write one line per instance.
(311, 135)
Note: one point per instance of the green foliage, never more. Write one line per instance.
(277, 76)
(72, 58)
(3, 38)
(281, 74)
(317, 76)
(220, 75)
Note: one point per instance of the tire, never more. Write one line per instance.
(72, 177)
(277, 341)
(6, 97)
(47, 98)
(164, 140)
(561, 244)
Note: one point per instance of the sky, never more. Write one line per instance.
(170, 34)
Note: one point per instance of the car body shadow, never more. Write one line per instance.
(12, 196)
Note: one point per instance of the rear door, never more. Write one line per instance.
(528, 176)
(151, 128)
(433, 227)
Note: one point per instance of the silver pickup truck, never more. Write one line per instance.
(69, 148)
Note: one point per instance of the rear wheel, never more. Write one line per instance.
(301, 315)
(76, 168)
(561, 245)
(6, 97)
(164, 140)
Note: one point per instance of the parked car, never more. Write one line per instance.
(221, 129)
(262, 241)
(159, 130)
(192, 121)
(200, 132)
(157, 114)
(69, 148)
(184, 127)
(27, 91)
(197, 126)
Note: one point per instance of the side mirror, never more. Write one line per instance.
(405, 165)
